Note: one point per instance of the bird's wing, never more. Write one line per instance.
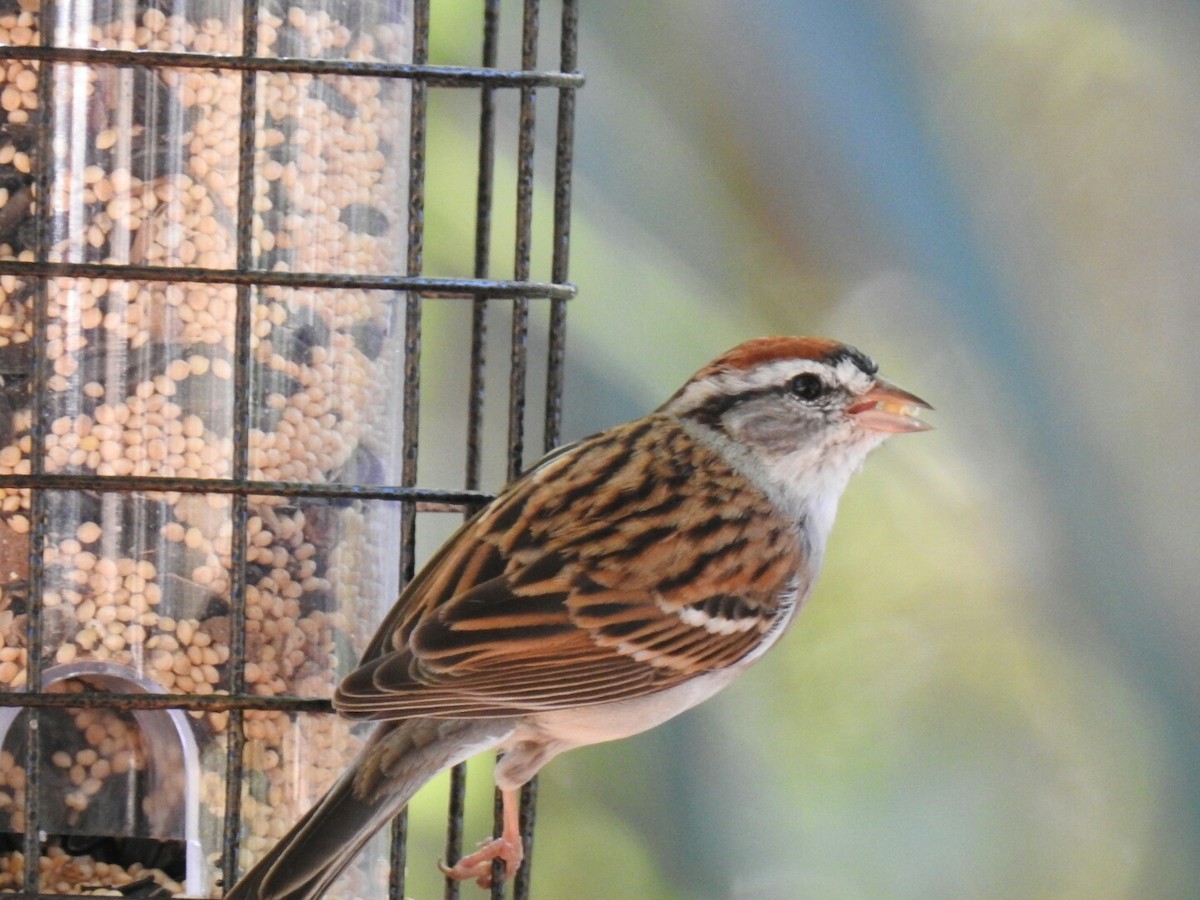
(634, 561)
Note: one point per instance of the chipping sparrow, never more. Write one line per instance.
(622, 580)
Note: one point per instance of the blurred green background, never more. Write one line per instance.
(995, 689)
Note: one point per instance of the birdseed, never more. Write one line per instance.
(140, 382)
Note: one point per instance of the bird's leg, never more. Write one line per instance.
(507, 847)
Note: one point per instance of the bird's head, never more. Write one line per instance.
(804, 412)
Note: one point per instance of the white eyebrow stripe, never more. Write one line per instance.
(764, 377)
(769, 376)
(775, 374)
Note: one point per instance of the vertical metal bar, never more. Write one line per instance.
(563, 159)
(455, 810)
(524, 877)
(523, 252)
(43, 185)
(483, 239)
(412, 367)
(524, 245)
(235, 735)
(415, 262)
(484, 190)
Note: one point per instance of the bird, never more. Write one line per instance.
(620, 581)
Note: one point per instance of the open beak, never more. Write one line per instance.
(886, 407)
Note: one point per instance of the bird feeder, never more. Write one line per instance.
(211, 299)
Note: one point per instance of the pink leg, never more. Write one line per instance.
(507, 847)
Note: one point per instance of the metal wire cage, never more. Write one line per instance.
(213, 308)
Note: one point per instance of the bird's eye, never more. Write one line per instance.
(807, 386)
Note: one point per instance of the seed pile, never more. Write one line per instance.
(140, 382)
(100, 761)
(67, 873)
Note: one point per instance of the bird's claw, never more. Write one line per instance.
(478, 865)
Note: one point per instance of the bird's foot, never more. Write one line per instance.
(478, 865)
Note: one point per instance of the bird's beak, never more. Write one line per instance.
(886, 407)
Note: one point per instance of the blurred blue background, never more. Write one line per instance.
(995, 689)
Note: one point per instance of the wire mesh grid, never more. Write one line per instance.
(37, 272)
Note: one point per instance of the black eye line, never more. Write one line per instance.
(711, 410)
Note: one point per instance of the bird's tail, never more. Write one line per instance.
(398, 759)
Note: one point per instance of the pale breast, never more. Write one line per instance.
(610, 721)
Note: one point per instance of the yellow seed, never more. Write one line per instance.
(66, 654)
(88, 532)
(184, 629)
(76, 801)
(10, 98)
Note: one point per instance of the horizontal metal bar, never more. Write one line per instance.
(200, 702)
(465, 288)
(437, 76)
(248, 487)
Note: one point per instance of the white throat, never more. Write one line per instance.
(812, 492)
